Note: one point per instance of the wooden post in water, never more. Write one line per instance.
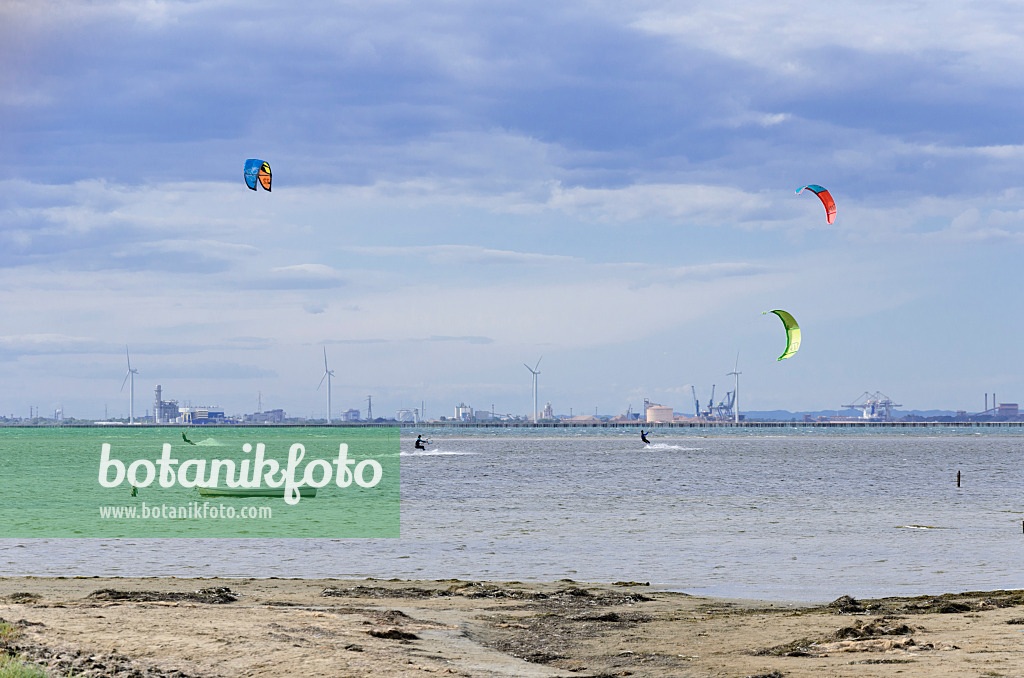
(958, 478)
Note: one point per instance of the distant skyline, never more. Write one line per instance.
(460, 188)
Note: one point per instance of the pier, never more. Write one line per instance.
(714, 425)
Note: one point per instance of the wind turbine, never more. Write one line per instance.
(534, 371)
(131, 388)
(327, 375)
(736, 393)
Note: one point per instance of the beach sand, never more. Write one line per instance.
(290, 627)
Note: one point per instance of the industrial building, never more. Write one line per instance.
(202, 415)
(1001, 410)
(659, 414)
(268, 417)
(408, 416)
(164, 411)
(170, 412)
(463, 412)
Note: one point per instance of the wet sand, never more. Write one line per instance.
(168, 627)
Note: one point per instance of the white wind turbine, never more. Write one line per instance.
(130, 376)
(736, 392)
(327, 375)
(534, 371)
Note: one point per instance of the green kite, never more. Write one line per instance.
(792, 332)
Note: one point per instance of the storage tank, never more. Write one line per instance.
(659, 414)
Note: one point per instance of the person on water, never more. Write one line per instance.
(185, 438)
(421, 443)
(643, 437)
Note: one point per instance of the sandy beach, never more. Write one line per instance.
(170, 627)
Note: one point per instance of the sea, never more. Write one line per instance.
(787, 514)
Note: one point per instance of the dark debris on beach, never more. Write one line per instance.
(540, 626)
(569, 595)
(73, 662)
(393, 634)
(548, 628)
(949, 603)
(23, 598)
(215, 596)
(888, 614)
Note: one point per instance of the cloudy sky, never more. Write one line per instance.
(462, 187)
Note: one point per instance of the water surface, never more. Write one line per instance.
(792, 514)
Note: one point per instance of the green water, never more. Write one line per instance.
(50, 483)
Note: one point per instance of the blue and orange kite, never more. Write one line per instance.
(257, 170)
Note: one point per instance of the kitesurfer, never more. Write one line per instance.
(185, 438)
(421, 443)
(643, 437)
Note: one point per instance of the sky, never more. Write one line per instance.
(462, 187)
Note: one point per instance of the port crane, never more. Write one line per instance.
(704, 413)
(723, 411)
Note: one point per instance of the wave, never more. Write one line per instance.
(666, 446)
(433, 453)
(920, 527)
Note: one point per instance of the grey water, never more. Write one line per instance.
(794, 514)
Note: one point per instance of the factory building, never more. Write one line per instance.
(463, 412)
(268, 417)
(164, 411)
(1007, 410)
(202, 415)
(407, 416)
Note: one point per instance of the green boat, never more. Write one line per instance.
(252, 491)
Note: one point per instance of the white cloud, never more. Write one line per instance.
(464, 254)
(570, 312)
(751, 118)
(785, 36)
(700, 204)
(51, 343)
(303, 276)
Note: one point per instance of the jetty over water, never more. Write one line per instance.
(726, 424)
(714, 425)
